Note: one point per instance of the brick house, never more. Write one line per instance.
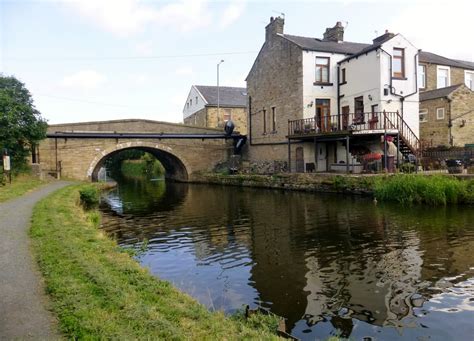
(446, 101)
(322, 104)
(201, 108)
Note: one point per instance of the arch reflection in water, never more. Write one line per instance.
(331, 265)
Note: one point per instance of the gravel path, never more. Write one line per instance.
(23, 312)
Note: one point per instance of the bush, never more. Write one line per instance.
(89, 197)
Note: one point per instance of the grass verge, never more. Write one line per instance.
(432, 190)
(99, 292)
(20, 185)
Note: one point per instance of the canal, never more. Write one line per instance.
(330, 264)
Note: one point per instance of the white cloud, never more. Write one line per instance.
(185, 71)
(439, 27)
(127, 17)
(84, 79)
(232, 13)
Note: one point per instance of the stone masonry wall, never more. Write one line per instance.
(199, 118)
(275, 80)
(457, 76)
(462, 130)
(435, 132)
(238, 116)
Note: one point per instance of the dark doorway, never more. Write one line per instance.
(299, 160)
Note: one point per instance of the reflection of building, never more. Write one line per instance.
(201, 108)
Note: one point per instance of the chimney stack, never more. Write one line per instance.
(384, 37)
(274, 27)
(335, 33)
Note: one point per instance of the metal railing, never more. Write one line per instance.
(353, 123)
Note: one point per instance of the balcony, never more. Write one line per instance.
(347, 124)
(350, 124)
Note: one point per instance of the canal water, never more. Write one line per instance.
(330, 264)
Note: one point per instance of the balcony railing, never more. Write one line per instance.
(354, 123)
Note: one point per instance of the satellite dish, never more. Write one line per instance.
(229, 128)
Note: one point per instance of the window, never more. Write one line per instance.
(442, 77)
(359, 110)
(227, 115)
(423, 115)
(274, 119)
(322, 69)
(440, 113)
(323, 111)
(421, 76)
(191, 101)
(264, 121)
(469, 79)
(196, 100)
(343, 76)
(398, 63)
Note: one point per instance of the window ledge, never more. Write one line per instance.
(400, 78)
(323, 83)
(345, 82)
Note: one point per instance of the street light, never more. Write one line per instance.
(218, 102)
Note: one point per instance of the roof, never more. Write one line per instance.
(228, 96)
(432, 58)
(315, 44)
(438, 93)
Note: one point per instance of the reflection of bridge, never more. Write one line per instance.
(78, 150)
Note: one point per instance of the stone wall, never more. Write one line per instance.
(199, 119)
(275, 81)
(462, 129)
(457, 76)
(435, 132)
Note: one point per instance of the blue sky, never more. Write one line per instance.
(97, 60)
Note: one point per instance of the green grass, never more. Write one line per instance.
(99, 292)
(431, 190)
(20, 185)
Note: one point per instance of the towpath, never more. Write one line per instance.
(23, 313)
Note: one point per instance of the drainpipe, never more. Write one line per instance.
(338, 99)
(250, 119)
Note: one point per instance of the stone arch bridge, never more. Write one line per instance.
(78, 150)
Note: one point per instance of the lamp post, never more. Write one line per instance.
(218, 99)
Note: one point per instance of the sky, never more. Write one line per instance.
(91, 60)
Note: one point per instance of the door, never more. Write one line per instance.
(345, 117)
(323, 110)
(299, 160)
(359, 110)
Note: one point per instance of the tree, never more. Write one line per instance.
(21, 125)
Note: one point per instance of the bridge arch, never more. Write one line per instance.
(175, 167)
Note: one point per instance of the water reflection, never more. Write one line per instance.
(331, 265)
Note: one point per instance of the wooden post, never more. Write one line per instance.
(347, 154)
(398, 150)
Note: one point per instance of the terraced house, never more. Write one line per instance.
(326, 104)
(446, 101)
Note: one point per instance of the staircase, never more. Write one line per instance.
(407, 140)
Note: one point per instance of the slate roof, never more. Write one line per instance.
(315, 44)
(433, 58)
(228, 96)
(438, 93)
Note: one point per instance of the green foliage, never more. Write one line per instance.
(407, 168)
(21, 125)
(89, 197)
(431, 190)
(99, 292)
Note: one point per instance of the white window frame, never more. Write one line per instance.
(422, 76)
(424, 112)
(468, 72)
(442, 67)
(438, 110)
